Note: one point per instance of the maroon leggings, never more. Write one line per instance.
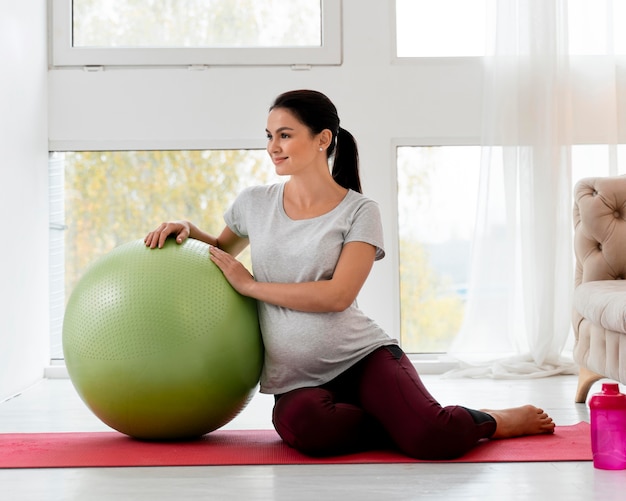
(380, 402)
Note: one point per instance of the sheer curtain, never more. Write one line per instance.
(517, 320)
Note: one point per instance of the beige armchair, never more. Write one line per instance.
(599, 302)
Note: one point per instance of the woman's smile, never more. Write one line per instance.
(278, 159)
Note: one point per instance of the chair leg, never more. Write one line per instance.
(586, 378)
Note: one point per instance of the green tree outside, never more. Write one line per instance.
(431, 312)
(116, 197)
(112, 198)
(430, 318)
(196, 23)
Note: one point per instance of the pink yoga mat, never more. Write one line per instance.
(255, 447)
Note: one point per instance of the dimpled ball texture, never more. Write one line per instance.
(158, 344)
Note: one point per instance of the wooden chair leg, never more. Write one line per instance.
(586, 378)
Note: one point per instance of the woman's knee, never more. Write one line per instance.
(311, 421)
(296, 417)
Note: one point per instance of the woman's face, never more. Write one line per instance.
(290, 143)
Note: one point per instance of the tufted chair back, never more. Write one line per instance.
(600, 292)
(600, 229)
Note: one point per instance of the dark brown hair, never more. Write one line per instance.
(317, 112)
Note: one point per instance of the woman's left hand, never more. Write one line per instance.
(235, 272)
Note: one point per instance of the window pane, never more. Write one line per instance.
(596, 27)
(597, 160)
(427, 28)
(113, 197)
(197, 23)
(437, 198)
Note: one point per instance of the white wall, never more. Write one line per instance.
(383, 102)
(379, 101)
(23, 195)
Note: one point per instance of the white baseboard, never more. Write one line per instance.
(56, 371)
(424, 365)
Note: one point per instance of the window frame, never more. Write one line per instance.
(65, 54)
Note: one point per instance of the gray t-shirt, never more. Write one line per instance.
(305, 349)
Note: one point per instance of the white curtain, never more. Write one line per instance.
(518, 312)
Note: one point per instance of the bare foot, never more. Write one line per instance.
(518, 421)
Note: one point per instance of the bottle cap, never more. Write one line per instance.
(610, 388)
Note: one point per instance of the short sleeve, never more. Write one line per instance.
(235, 215)
(367, 227)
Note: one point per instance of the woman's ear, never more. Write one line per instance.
(325, 138)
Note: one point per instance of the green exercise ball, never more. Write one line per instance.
(158, 344)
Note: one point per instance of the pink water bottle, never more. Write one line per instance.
(608, 428)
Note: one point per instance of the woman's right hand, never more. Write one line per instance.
(156, 238)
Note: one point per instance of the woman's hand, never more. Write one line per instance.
(235, 272)
(157, 237)
(333, 295)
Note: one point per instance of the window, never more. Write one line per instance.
(101, 199)
(435, 229)
(196, 32)
(596, 28)
(591, 160)
(457, 28)
(436, 219)
(441, 28)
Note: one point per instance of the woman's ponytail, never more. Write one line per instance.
(346, 161)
